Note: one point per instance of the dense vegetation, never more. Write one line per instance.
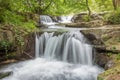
(20, 11)
(16, 11)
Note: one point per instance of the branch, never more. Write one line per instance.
(47, 6)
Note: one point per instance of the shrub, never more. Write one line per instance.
(113, 18)
(86, 18)
(5, 46)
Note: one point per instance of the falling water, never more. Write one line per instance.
(66, 19)
(66, 56)
(68, 47)
(46, 20)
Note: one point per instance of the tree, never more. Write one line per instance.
(88, 8)
(116, 4)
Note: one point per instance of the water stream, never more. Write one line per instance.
(66, 56)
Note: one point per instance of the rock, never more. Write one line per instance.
(7, 38)
(93, 38)
(79, 17)
(105, 41)
(5, 74)
(109, 64)
(96, 16)
(82, 17)
(102, 59)
(111, 74)
(108, 36)
(55, 18)
(95, 23)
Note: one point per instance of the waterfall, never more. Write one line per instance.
(66, 56)
(68, 47)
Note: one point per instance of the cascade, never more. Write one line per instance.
(68, 47)
(46, 20)
(66, 19)
(66, 56)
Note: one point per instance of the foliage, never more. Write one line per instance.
(118, 56)
(113, 18)
(100, 78)
(5, 45)
(102, 5)
(86, 18)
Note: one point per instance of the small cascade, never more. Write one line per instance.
(66, 19)
(68, 47)
(46, 20)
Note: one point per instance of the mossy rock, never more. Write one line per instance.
(5, 74)
(112, 73)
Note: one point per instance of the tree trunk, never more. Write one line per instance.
(88, 8)
(116, 4)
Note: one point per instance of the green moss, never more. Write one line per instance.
(100, 78)
(113, 17)
(118, 56)
(86, 18)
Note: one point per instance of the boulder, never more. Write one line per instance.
(103, 60)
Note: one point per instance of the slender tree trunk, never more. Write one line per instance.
(114, 4)
(88, 8)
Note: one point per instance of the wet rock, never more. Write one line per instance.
(94, 39)
(102, 59)
(5, 74)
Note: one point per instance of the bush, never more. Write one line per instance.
(5, 46)
(86, 18)
(113, 18)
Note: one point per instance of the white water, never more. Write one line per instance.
(42, 69)
(45, 19)
(68, 47)
(66, 19)
(58, 57)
